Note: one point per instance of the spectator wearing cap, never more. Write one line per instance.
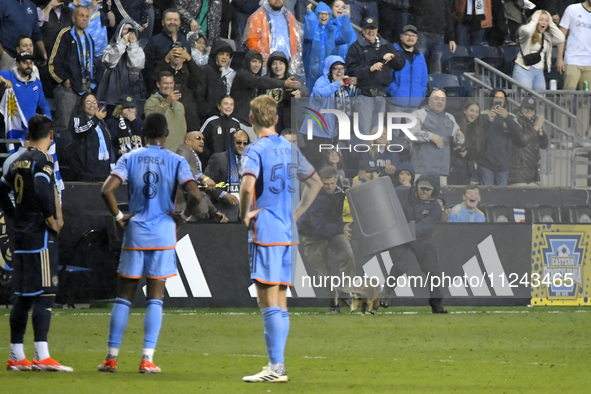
(160, 45)
(125, 127)
(409, 86)
(187, 76)
(436, 132)
(435, 25)
(166, 102)
(27, 87)
(18, 18)
(371, 59)
(467, 211)
(273, 28)
(322, 229)
(420, 206)
(525, 155)
(25, 44)
(322, 36)
(217, 79)
(124, 60)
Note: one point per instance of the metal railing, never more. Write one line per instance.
(566, 128)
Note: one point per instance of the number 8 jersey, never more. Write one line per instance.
(278, 166)
(153, 174)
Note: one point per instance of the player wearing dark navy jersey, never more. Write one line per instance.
(37, 219)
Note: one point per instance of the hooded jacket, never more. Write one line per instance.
(406, 166)
(498, 140)
(424, 213)
(525, 156)
(258, 36)
(123, 61)
(248, 85)
(362, 55)
(322, 41)
(324, 97)
(409, 85)
(324, 218)
(212, 87)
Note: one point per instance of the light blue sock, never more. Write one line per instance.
(119, 317)
(273, 333)
(285, 331)
(152, 323)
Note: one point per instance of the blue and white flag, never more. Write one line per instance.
(14, 120)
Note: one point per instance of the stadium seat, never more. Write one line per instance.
(458, 62)
(489, 55)
(449, 83)
(498, 213)
(542, 213)
(509, 54)
(576, 213)
(468, 86)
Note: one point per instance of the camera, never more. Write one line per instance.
(350, 81)
(177, 44)
(496, 107)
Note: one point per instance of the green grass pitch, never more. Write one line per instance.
(399, 350)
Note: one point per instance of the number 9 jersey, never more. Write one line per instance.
(278, 167)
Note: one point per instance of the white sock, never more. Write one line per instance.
(17, 352)
(112, 352)
(273, 367)
(41, 351)
(148, 354)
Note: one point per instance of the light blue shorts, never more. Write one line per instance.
(154, 264)
(270, 265)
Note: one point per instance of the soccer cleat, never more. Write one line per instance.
(23, 365)
(147, 367)
(109, 365)
(267, 376)
(50, 365)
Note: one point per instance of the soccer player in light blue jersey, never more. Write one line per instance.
(152, 174)
(271, 169)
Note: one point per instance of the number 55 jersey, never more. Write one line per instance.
(278, 167)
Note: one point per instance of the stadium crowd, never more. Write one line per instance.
(97, 68)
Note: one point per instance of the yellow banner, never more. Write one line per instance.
(560, 269)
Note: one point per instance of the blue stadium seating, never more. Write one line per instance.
(488, 55)
(458, 62)
(449, 83)
(509, 54)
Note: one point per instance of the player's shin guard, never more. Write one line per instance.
(152, 323)
(273, 333)
(119, 317)
(285, 331)
(42, 316)
(19, 315)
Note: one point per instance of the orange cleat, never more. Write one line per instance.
(23, 365)
(109, 365)
(147, 367)
(50, 365)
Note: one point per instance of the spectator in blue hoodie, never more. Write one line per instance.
(341, 19)
(404, 175)
(410, 84)
(321, 38)
(330, 92)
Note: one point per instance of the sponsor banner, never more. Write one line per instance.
(490, 259)
(559, 264)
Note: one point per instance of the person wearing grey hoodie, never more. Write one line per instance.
(124, 60)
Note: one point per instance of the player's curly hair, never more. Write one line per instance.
(155, 126)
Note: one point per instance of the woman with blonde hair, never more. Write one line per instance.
(535, 40)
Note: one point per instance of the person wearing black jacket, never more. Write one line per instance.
(420, 206)
(218, 129)
(215, 82)
(371, 59)
(322, 229)
(249, 83)
(435, 22)
(187, 75)
(525, 156)
(125, 127)
(500, 128)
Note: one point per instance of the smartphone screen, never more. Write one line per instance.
(102, 105)
(177, 87)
